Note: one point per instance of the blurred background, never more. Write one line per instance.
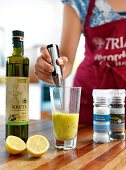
(41, 21)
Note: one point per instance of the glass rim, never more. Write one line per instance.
(67, 87)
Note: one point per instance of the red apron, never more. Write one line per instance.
(104, 65)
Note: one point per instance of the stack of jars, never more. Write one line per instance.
(108, 115)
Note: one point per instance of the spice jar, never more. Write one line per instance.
(117, 114)
(101, 116)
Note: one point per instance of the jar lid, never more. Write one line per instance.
(117, 93)
(100, 93)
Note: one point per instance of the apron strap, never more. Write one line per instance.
(89, 12)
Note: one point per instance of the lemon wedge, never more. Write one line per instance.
(37, 145)
(14, 145)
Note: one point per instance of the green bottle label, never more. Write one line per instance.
(17, 92)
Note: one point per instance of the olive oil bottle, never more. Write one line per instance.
(17, 89)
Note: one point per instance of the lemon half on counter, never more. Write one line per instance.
(15, 145)
(37, 145)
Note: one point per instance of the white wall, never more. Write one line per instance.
(41, 20)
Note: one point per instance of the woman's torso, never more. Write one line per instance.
(87, 75)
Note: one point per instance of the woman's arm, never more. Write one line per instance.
(70, 37)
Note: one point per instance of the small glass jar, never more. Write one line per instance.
(117, 114)
(101, 116)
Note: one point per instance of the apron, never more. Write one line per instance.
(104, 65)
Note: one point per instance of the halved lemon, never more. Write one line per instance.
(15, 145)
(37, 145)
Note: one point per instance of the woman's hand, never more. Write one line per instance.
(44, 68)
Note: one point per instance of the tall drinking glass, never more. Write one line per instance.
(65, 116)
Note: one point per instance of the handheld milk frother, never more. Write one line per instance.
(57, 73)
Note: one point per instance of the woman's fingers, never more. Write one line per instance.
(45, 54)
(44, 77)
(40, 69)
(44, 67)
(61, 61)
(42, 63)
(43, 74)
(43, 70)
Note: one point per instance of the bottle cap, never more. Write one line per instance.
(117, 96)
(17, 33)
(117, 93)
(17, 38)
(100, 96)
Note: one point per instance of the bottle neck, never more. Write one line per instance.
(18, 51)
